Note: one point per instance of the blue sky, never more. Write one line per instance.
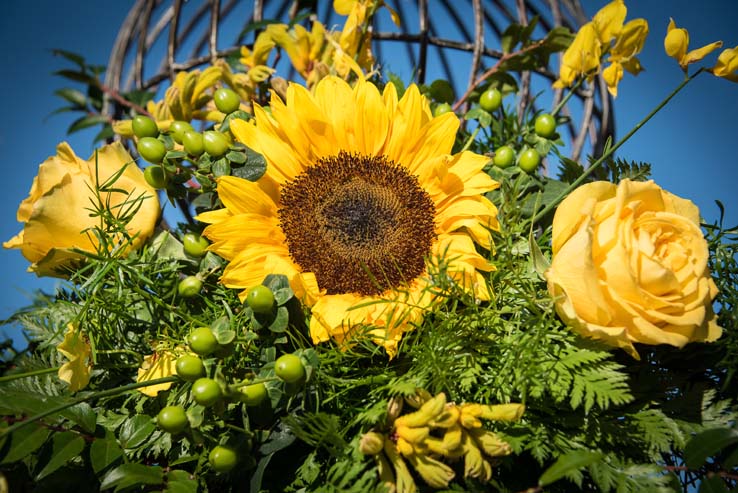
(692, 144)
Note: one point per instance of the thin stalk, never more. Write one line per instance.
(15, 376)
(567, 97)
(94, 395)
(612, 149)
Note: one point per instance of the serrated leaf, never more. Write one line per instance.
(86, 122)
(132, 474)
(567, 463)
(65, 446)
(104, 452)
(23, 442)
(73, 96)
(135, 430)
(181, 482)
(706, 444)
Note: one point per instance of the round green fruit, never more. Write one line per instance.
(222, 458)
(289, 368)
(194, 244)
(178, 128)
(504, 156)
(490, 100)
(143, 126)
(172, 419)
(442, 109)
(529, 160)
(189, 367)
(215, 143)
(189, 286)
(545, 125)
(202, 341)
(151, 149)
(253, 395)
(260, 299)
(206, 391)
(193, 143)
(226, 100)
(156, 176)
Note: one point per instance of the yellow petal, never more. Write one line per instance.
(700, 53)
(156, 365)
(727, 65)
(609, 20)
(676, 41)
(612, 76)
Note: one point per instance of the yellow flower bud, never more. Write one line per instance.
(371, 443)
(435, 473)
(727, 65)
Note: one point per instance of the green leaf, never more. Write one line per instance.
(706, 444)
(540, 262)
(104, 452)
(132, 474)
(23, 442)
(236, 157)
(484, 118)
(20, 402)
(167, 246)
(72, 57)
(86, 122)
(256, 478)
(222, 330)
(281, 321)
(221, 167)
(236, 115)
(180, 482)
(135, 430)
(565, 464)
(66, 445)
(73, 96)
(76, 76)
(441, 91)
(714, 484)
(254, 167)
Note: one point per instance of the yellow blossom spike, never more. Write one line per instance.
(435, 473)
(413, 435)
(473, 460)
(502, 412)
(207, 79)
(404, 447)
(386, 475)
(608, 21)
(404, 480)
(74, 347)
(187, 91)
(452, 438)
(420, 397)
(448, 418)
(427, 412)
(727, 65)
(371, 443)
(676, 44)
(492, 445)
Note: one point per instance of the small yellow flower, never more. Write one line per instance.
(259, 54)
(307, 50)
(186, 97)
(628, 44)
(582, 58)
(727, 65)
(160, 364)
(74, 347)
(677, 42)
(608, 21)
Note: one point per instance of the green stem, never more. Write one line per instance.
(567, 97)
(470, 140)
(94, 395)
(15, 376)
(609, 152)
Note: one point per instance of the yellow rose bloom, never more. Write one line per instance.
(581, 58)
(676, 44)
(74, 347)
(56, 215)
(360, 189)
(727, 65)
(630, 266)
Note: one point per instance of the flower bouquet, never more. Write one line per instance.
(373, 285)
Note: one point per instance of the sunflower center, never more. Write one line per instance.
(362, 224)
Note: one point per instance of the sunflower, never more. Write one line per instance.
(362, 207)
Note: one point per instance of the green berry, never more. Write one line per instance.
(143, 126)
(189, 286)
(189, 367)
(177, 130)
(442, 109)
(529, 160)
(545, 126)
(172, 419)
(490, 100)
(194, 244)
(222, 459)
(226, 100)
(206, 391)
(253, 395)
(193, 143)
(289, 368)
(216, 144)
(504, 156)
(151, 149)
(260, 299)
(156, 176)
(202, 341)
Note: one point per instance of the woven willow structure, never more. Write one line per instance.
(456, 40)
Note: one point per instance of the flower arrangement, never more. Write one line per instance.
(372, 289)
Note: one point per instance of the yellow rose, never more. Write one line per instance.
(57, 214)
(630, 266)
